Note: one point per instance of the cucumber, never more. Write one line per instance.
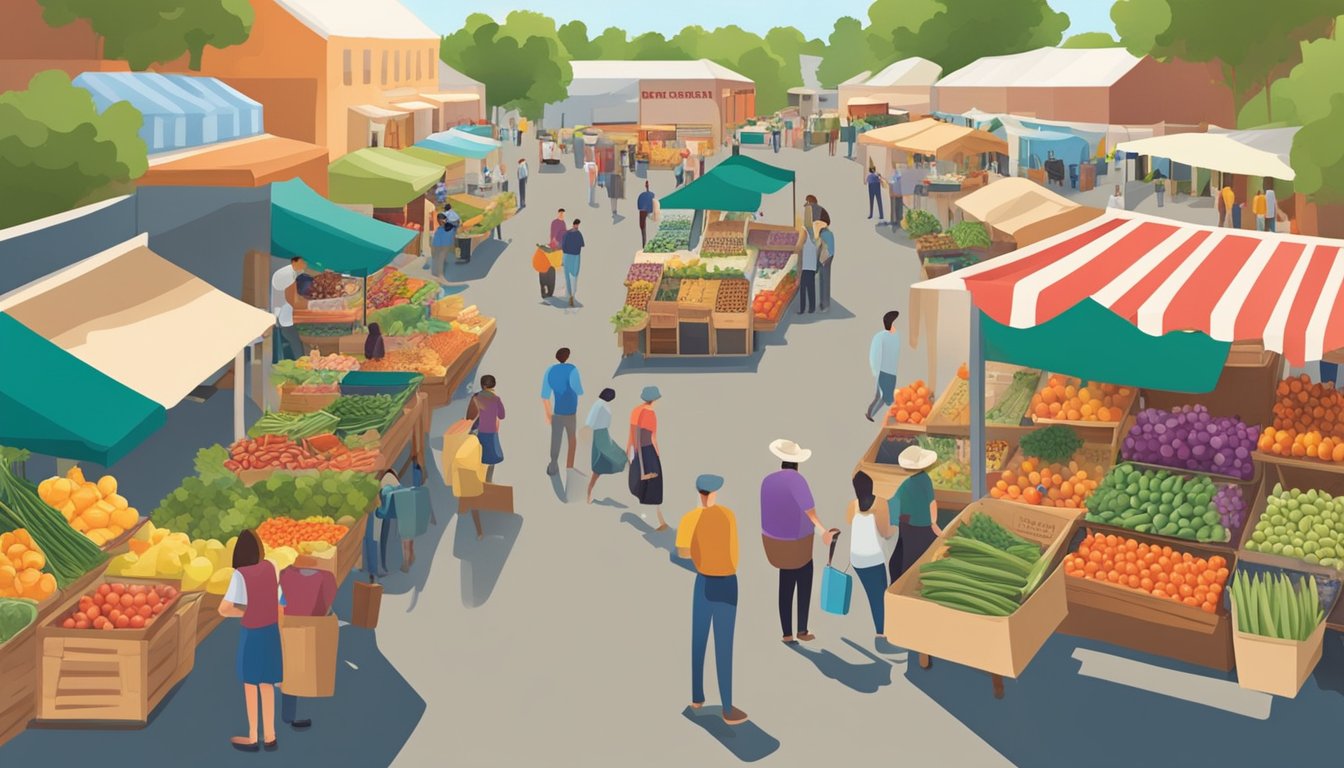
(1010, 562)
(973, 570)
(964, 601)
(958, 581)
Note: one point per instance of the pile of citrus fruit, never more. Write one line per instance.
(912, 404)
(1158, 570)
(1066, 399)
(1054, 485)
(1308, 421)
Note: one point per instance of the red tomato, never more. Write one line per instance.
(122, 622)
(137, 622)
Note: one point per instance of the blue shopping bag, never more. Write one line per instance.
(837, 586)
(411, 509)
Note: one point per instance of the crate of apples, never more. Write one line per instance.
(115, 606)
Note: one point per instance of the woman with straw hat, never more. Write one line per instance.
(913, 506)
(646, 465)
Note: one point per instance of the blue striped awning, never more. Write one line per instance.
(180, 111)
(455, 141)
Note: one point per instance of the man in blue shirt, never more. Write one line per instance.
(522, 183)
(561, 384)
(883, 356)
(645, 205)
(441, 245)
(874, 182)
(825, 256)
(571, 246)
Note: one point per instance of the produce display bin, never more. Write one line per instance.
(1126, 408)
(349, 547)
(1000, 645)
(207, 616)
(662, 341)
(296, 402)
(1251, 490)
(1281, 667)
(18, 682)
(92, 677)
(728, 341)
(379, 382)
(1134, 619)
(693, 338)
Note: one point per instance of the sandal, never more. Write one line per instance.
(242, 744)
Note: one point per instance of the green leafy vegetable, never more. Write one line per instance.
(16, 613)
(1054, 444)
(970, 234)
(920, 223)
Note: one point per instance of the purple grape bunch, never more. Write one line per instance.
(1231, 506)
(647, 271)
(772, 259)
(1189, 437)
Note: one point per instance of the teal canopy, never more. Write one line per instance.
(712, 193)
(752, 174)
(488, 131)
(1177, 362)
(53, 403)
(303, 223)
(461, 143)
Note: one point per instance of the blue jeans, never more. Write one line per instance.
(571, 263)
(289, 708)
(714, 606)
(875, 196)
(886, 393)
(874, 582)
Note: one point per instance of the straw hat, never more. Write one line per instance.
(787, 450)
(915, 458)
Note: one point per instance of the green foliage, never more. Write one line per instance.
(522, 63)
(847, 55)
(209, 463)
(574, 37)
(1305, 94)
(57, 152)
(970, 234)
(967, 30)
(15, 615)
(1054, 444)
(920, 223)
(886, 16)
(1090, 40)
(1318, 156)
(146, 32)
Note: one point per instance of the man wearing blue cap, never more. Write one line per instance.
(707, 535)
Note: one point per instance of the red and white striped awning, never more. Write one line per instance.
(1164, 276)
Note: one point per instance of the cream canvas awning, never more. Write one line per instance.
(374, 112)
(1024, 210)
(139, 319)
(451, 98)
(889, 135)
(1245, 153)
(414, 106)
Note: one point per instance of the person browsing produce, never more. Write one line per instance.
(253, 596)
(867, 527)
(914, 509)
(486, 410)
(788, 521)
(884, 355)
(374, 346)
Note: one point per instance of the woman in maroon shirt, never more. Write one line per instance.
(254, 597)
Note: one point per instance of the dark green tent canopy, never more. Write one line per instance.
(53, 403)
(303, 223)
(749, 173)
(711, 193)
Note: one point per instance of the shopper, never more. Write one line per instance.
(788, 522)
(707, 536)
(607, 456)
(1271, 207)
(253, 596)
(867, 527)
(1159, 187)
(571, 245)
(374, 347)
(834, 137)
(486, 410)
(441, 243)
(1116, 200)
(615, 192)
(375, 554)
(807, 279)
(825, 258)
(522, 183)
(1258, 204)
(646, 464)
(914, 509)
(306, 589)
(561, 387)
(590, 172)
(776, 129)
(288, 345)
(897, 201)
(874, 182)
(1220, 202)
(513, 127)
(645, 205)
(813, 211)
(557, 229)
(1230, 204)
(884, 355)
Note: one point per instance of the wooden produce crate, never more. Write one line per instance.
(118, 678)
(1251, 490)
(728, 341)
(1126, 407)
(1134, 619)
(731, 320)
(207, 616)
(1258, 509)
(1000, 645)
(295, 402)
(402, 432)
(661, 341)
(18, 682)
(348, 549)
(1245, 388)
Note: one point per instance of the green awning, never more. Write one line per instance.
(1178, 361)
(442, 159)
(381, 177)
(55, 404)
(750, 173)
(303, 223)
(711, 193)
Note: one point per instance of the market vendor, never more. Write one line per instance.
(284, 295)
(914, 509)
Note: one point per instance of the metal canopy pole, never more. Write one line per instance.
(977, 393)
(239, 382)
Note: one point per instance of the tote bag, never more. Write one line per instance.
(837, 586)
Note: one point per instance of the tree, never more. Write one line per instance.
(652, 46)
(764, 69)
(1305, 94)
(57, 152)
(613, 44)
(966, 30)
(788, 45)
(1252, 42)
(847, 55)
(1090, 40)
(1318, 156)
(145, 32)
(574, 37)
(886, 16)
(524, 76)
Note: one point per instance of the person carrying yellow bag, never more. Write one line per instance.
(545, 260)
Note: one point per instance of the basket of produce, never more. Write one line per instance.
(1308, 422)
(114, 652)
(732, 304)
(988, 593)
(1289, 527)
(1063, 484)
(1190, 438)
(308, 398)
(18, 665)
(1010, 407)
(293, 425)
(774, 237)
(697, 294)
(1065, 399)
(256, 459)
(695, 268)
(643, 272)
(929, 245)
(361, 413)
(1169, 503)
(911, 405)
(452, 346)
(674, 234)
(1279, 633)
(412, 358)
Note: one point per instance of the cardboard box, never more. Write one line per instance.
(310, 647)
(1002, 645)
(1270, 665)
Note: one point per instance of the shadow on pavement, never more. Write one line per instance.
(194, 723)
(483, 560)
(864, 677)
(1086, 716)
(664, 540)
(836, 311)
(747, 742)
(636, 364)
(483, 258)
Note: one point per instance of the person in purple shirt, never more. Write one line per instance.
(486, 410)
(788, 523)
(558, 228)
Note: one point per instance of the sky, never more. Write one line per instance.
(669, 17)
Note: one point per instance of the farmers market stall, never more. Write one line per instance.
(1022, 212)
(1197, 568)
(711, 297)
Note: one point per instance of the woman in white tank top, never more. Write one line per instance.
(868, 525)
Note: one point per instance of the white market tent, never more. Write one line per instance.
(142, 321)
(1261, 152)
